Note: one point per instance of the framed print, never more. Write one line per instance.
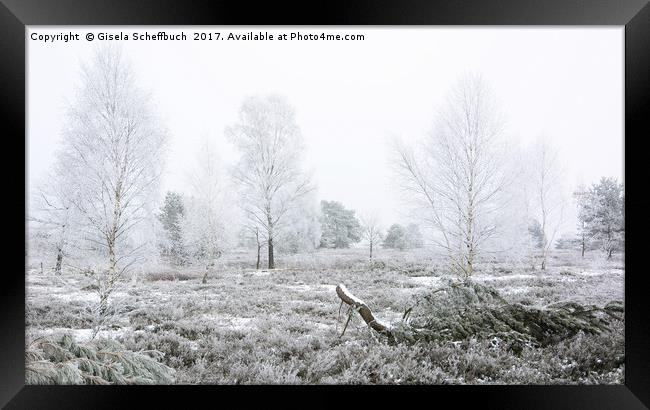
(430, 197)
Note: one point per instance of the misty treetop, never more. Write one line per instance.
(340, 227)
(395, 237)
(269, 171)
(400, 237)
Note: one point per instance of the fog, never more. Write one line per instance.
(352, 97)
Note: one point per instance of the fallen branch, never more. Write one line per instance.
(347, 321)
(468, 309)
(363, 309)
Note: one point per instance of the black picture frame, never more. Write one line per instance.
(15, 15)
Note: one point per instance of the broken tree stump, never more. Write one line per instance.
(364, 311)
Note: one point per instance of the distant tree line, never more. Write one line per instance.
(601, 220)
(335, 227)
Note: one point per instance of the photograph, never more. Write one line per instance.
(325, 205)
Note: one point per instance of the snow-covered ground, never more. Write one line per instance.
(273, 310)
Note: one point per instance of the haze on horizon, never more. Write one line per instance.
(352, 97)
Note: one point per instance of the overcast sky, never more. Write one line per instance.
(351, 97)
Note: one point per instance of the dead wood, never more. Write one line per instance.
(459, 311)
(364, 311)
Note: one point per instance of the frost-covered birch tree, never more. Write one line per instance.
(371, 231)
(581, 195)
(268, 173)
(457, 174)
(112, 150)
(205, 221)
(255, 234)
(52, 212)
(546, 194)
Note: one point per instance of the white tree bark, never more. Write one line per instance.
(268, 172)
(548, 202)
(458, 174)
(113, 150)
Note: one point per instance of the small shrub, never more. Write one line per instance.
(72, 315)
(169, 275)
